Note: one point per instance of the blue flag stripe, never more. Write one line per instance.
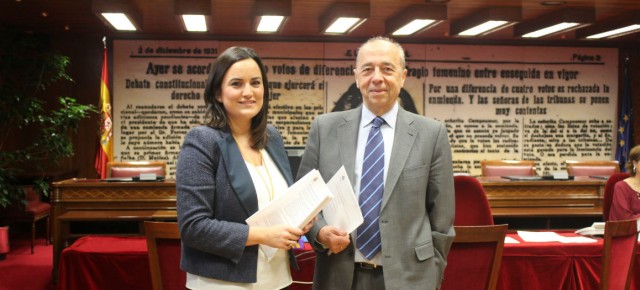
(625, 122)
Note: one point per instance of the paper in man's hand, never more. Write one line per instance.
(343, 211)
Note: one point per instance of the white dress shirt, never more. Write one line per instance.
(388, 130)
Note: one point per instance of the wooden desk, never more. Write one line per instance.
(549, 212)
(97, 200)
(581, 197)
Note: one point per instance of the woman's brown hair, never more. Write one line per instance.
(215, 110)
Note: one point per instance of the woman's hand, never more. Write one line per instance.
(309, 225)
(279, 236)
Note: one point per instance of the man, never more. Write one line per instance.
(406, 246)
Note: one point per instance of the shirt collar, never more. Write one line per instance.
(389, 117)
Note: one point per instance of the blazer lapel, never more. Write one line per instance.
(405, 136)
(238, 174)
(347, 142)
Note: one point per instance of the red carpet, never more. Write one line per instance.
(23, 271)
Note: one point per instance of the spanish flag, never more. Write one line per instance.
(104, 153)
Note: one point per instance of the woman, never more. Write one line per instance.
(626, 193)
(226, 171)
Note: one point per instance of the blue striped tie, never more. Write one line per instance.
(371, 188)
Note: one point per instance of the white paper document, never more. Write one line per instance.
(595, 229)
(510, 240)
(552, 237)
(297, 206)
(343, 211)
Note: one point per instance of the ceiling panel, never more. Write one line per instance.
(233, 18)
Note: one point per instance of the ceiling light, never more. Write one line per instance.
(119, 14)
(482, 28)
(193, 14)
(271, 15)
(616, 32)
(119, 21)
(555, 22)
(269, 23)
(416, 18)
(195, 23)
(486, 20)
(342, 24)
(343, 17)
(551, 29)
(413, 26)
(614, 27)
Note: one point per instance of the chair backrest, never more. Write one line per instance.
(618, 254)
(472, 206)
(31, 195)
(608, 193)
(134, 169)
(474, 260)
(163, 243)
(508, 167)
(592, 167)
(32, 204)
(31, 198)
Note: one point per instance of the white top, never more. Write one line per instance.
(388, 130)
(274, 273)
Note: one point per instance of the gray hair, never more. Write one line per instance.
(386, 39)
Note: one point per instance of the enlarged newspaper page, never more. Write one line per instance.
(344, 210)
(297, 206)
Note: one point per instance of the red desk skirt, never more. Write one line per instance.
(554, 265)
(122, 263)
(102, 263)
(525, 266)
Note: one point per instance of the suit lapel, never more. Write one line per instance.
(347, 143)
(238, 174)
(405, 136)
(347, 140)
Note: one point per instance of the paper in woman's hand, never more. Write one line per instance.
(297, 206)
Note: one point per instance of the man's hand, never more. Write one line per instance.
(333, 238)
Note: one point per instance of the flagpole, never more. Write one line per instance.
(104, 153)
